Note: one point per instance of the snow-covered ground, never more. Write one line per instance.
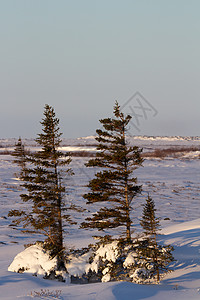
(174, 184)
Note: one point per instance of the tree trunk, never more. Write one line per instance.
(158, 275)
(60, 256)
(128, 225)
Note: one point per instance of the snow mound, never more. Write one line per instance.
(192, 154)
(79, 265)
(108, 251)
(195, 224)
(91, 261)
(105, 253)
(33, 260)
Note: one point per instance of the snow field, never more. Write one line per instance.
(175, 187)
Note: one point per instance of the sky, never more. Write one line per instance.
(81, 56)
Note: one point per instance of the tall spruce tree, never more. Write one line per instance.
(114, 186)
(155, 255)
(41, 176)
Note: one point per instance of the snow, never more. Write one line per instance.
(34, 260)
(174, 184)
(194, 154)
(106, 277)
(195, 224)
(109, 252)
(130, 259)
(77, 148)
(79, 265)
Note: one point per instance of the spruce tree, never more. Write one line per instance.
(19, 156)
(41, 176)
(157, 256)
(150, 223)
(115, 186)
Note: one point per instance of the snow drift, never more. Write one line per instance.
(33, 260)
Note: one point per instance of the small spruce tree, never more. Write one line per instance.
(41, 176)
(114, 186)
(150, 223)
(157, 256)
(19, 156)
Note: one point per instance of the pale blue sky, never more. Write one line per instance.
(80, 56)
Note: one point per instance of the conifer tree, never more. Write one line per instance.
(157, 256)
(41, 176)
(150, 223)
(114, 186)
(19, 156)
